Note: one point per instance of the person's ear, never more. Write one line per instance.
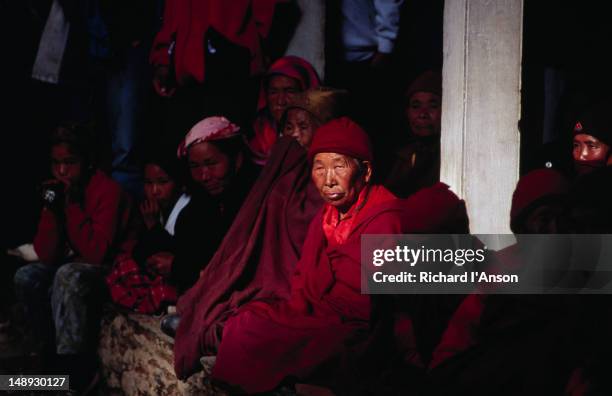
(367, 174)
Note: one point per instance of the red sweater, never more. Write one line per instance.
(92, 230)
(243, 22)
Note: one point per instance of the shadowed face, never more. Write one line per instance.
(211, 168)
(301, 126)
(340, 179)
(66, 166)
(589, 152)
(281, 92)
(159, 186)
(424, 113)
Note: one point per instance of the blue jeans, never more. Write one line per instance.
(64, 300)
(126, 94)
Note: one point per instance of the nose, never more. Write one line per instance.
(424, 113)
(293, 133)
(62, 169)
(202, 174)
(282, 99)
(584, 152)
(156, 190)
(330, 178)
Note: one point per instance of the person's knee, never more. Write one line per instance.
(28, 277)
(75, 279)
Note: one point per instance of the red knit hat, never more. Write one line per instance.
(533, 188)
(430, 81)
(342, 136)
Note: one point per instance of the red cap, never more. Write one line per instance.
(534, 186)
(342, 136)
(430, 81)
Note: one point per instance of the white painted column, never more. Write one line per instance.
(308, 42)
(481, 107)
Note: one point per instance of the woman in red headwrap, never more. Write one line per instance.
(269, 341)
(285, 79)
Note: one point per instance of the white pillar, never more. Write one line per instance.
(481, 107)
(308, 42)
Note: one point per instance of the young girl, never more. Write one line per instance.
(139, 279)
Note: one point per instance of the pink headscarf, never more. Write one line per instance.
(211, 128)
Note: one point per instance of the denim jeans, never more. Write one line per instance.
(64, 299)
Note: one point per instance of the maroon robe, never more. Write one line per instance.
(256, 258)
(267, 341)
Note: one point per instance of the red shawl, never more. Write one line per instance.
(256, 258)
(269, 341)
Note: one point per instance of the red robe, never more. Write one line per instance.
(271, 227)
(270, 340)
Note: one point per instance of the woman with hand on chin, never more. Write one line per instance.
(139, 279)
(83, 219)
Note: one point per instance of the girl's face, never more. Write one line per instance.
(159, 186)
(66, 166)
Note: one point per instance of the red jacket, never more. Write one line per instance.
(92, 230)
(243, 22)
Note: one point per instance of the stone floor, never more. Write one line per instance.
(135, 356)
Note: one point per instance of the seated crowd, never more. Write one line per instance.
(255, 238)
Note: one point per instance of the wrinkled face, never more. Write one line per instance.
(590, 150)
(66, 166)
(210, 167)
(339, 179)
(424, 113)
(281, 92)
(159, 186)
(301, 126)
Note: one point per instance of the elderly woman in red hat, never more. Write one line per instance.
(325, 306)
(267, 341)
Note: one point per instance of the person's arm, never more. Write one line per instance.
(160, 52)
(91, 231)
(263, 14)
(387, 23)
(49, 238)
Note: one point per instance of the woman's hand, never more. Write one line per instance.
(160, 263)
(162, 82)
(150, 213)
